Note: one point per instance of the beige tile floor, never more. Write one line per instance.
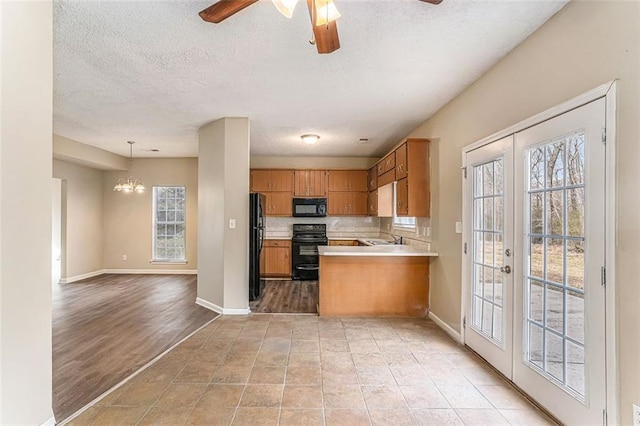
(304, 370)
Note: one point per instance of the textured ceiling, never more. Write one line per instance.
(154, 72)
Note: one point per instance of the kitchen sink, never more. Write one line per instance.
(379, 242)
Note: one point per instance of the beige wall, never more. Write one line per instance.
(25, 211)
(223, 175)
(82, 217)
(72, 151)
(127, 218)
(258, 162)
(586, 44)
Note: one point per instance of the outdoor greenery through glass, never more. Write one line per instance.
(169, 223)
(554, 272)
(488, 237)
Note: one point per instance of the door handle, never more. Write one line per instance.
(506, 269)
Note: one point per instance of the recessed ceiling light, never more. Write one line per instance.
(363, 140)
(310, 139)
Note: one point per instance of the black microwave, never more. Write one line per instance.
(309, 207)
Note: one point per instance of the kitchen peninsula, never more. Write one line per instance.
(386, 280)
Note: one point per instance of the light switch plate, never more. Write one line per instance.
(636, 415)
(232, 223)
(458, 227)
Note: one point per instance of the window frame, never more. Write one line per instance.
(154, 223)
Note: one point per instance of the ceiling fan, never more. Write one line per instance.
(323, 15)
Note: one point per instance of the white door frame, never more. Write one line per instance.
(609, 92)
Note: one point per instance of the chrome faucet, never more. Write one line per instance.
(396, 240)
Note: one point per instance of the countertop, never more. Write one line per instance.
(382, 250)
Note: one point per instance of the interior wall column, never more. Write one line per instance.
(26, 34)
(223, 197)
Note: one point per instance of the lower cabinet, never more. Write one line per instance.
(343, 242)
(275, 259)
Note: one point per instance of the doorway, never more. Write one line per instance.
(535, 307)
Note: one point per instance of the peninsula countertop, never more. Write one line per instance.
(381, 250)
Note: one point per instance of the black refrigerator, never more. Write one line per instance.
(256, 240)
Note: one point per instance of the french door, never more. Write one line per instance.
(554, 190)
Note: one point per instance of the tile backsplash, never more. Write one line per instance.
(344, 226)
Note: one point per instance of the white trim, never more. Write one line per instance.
(593, 94)
(51, 421)
(81, 276)
(169, 262)
(222, 311)
(613, 407)
(152, 271)
(446, 327)
(134, 374)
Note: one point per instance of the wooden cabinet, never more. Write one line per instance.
(275, 259)
(347, 243)
(347, 180)
(265, 180)
(417, 201)
(347, 203)
(372, 209)
(372, 178)
(387, 163)
(402, 197)
(401, 161)
(279, 204)
(277, 186)
(310, 183)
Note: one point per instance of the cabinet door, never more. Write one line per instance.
(281, 180)
(301, 183)
(260, 180)
(338, 203)
(358, 203)
(387, 163)
(282, 262)
(401, 161)
(402, 197)
(317, 183)
(343, 243)
(372, 178)
(373, 203)
(338, 180)
(358, 180)
(279, 204)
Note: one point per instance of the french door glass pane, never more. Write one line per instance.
(555, 271)
(488, 236)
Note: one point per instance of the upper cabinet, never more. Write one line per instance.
(413, 196)
(348, 181)
(408, 166)
(372, 178)
(387, 164)
(401, 161)
(264, 180)
(310, 183)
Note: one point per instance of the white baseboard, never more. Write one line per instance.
(51, 421)
(446, 327)
(152, 271)
(222, 311)
(81, 276)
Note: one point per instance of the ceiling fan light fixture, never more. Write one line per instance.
(326, 11)
(309, 139)
(285, 7)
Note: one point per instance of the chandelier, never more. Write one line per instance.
(129, 184)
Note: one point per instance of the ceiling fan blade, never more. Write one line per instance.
(432, 1)
(221, 10)
(326, 36)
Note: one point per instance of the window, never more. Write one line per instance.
(168, 224)
(401, 221)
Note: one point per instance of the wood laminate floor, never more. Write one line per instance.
(287, 297)
(107, 327)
